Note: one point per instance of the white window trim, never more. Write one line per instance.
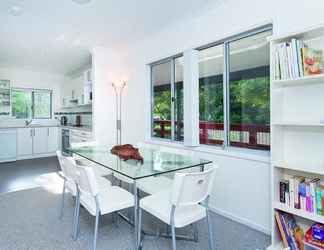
(189, 138)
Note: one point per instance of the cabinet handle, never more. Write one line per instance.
(47, 131)
(31, 133)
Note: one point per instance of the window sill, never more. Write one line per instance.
(240, 153)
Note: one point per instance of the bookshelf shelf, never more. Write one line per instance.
(312, 170)
(304, 214)
(300, 81)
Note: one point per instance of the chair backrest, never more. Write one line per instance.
(68, 166)
(192, 188)
(87, 181)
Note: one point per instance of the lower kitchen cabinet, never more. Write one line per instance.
(39, 141)
(25, 141)
(53, 135)
(8, 149)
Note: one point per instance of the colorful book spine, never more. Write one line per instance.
(291, 192)
(309, 207)
(318, 201)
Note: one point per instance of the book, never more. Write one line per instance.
(302, 195)
(318, 192)
(286, 231)
(308, 198)
(284, 186)
(312, 61)
(281, 230)
(291, 192)
(312, 186)
(300, 45)
(297, 181)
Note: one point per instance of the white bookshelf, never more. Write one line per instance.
(300, 81)
(297, 130)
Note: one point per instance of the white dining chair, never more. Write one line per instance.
(187, 203)
(100, 201)
(70, 175)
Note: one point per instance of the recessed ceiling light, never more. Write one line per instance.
(82, 1)
(15, 10)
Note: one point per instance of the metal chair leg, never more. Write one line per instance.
(63, 199)
(195, 228)
(96, 231)
(174, 246)
(139, 232)
(210, 231)
(76, 219)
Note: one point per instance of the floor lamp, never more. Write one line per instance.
(118, 87)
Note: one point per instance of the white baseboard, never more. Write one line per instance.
(243, 221)
(27, 157)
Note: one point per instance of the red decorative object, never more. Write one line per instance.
(127, 152)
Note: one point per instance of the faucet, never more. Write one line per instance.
(28, 122)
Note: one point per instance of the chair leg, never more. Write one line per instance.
(63, 199)
(76, 219)
(139, 232)
(96, 230)
(174, 246)
(210, 231)
(195, 228)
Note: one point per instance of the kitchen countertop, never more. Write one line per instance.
(31, 126)
(83, 128)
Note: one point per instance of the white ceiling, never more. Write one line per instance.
(57, 35)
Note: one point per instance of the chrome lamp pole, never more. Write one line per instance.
(118, 87)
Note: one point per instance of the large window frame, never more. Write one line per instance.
(170, 60)
(32, 92)
(226, 82)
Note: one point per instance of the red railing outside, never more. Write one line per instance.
(241, 135)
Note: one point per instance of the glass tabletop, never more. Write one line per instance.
(155, 162)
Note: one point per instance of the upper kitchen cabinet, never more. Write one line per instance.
(78, 91)
(5, 98)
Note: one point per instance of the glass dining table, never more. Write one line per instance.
(155, 163)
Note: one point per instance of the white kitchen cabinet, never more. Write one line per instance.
(25, 141)
(53, 136)
(8, 149)
(40, 141)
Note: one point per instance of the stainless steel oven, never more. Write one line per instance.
(65, 141)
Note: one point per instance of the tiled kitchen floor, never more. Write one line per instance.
(22, 175)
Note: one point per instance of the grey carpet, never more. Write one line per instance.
(29, 221)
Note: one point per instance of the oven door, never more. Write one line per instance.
(65, 142)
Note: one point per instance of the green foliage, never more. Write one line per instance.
(21, 104)
(249, 101)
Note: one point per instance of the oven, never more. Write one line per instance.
(66, 141)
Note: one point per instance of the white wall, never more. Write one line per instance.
(242, 189)
(22, 78)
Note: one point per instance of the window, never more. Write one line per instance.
(234, 93)
(42, 104)
(211, 109)
(167, 103)
(21, 104)
(31, 104)
(249, 81)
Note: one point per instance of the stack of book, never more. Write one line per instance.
(303, 193)
(295, 59)
(291, 233)
(314, 237)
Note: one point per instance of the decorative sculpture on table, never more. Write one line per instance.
(127, 152)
